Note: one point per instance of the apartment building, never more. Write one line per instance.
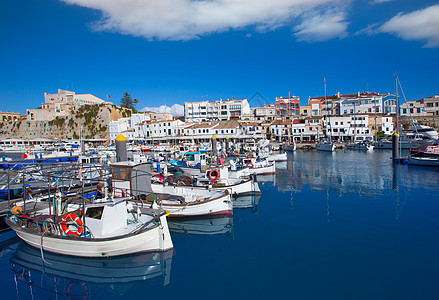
(222, 110)
(280, 130)
(366, 102)
(262, 114)
(413, 109)
(431, 105)
(252, 129)
(287, 107)
(313, 127)
(349, 128)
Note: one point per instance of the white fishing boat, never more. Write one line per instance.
(325, 145)
(219, 179)
(186, 201)
(276, 157)
(360, 146)
(258, 166)
(403, 143)
(290, 147)
(179, 201)
(110, 228)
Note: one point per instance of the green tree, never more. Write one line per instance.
(127, 101)
(135, 101)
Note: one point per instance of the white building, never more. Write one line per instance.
(61, 104)
(252, 129)
(265, 113)
(366, 102)
(413, 109)
(344, 128)
(223, 110)
(431, 105)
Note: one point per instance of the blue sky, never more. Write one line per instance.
(183, 50)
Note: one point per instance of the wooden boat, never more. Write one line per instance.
(360, 146)
(423, 161)
(110, 228)
(325, 145)
(135, 179)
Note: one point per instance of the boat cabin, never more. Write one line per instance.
(193, 158)
(131, 179)
(106, 219)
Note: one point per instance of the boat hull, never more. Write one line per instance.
(152, 239)
(207, 206)
(424, 161)
(328, 147)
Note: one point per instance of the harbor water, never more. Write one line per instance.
(342, 225)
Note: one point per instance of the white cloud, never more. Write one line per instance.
(176, 110)
(379, 1)
(322, 27)
(189, 19)
(420, 25)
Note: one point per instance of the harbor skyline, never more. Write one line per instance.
(258, 52)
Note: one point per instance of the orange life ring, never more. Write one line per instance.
(74, 218)
(213, 174)
(250, 155)
(84, 290)
(236, 152)
(17, 210)
(24, 156)
(250, 165)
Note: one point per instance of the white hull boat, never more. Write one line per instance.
(277, 157)
(360, 146)
(290, 147)
(109, 231)
(189, 201)
(325, 146)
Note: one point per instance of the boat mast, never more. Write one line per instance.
(329, 115)
(355, 124)
(397, 105)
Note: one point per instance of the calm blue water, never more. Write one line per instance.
(345, 225)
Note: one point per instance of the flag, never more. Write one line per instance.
(108, 96)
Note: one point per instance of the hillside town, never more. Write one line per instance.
(344, 117)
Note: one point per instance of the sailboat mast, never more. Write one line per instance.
(397, 105)
(329, 115)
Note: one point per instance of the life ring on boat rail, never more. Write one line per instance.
(24, 156)
(75, 219)
(69, 290)
(251, 165)
(250, 155)
(213, 174)
(17, 210)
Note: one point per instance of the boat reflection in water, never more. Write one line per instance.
(79, 277)
(245, 202)
(213, 225)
